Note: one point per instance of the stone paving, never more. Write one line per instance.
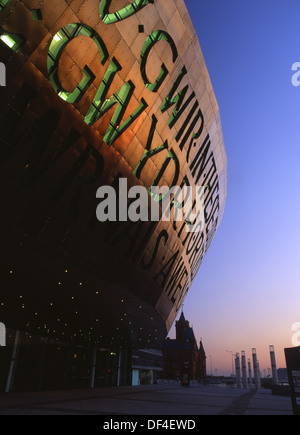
(155, 400)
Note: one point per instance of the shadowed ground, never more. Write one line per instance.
(163, 399)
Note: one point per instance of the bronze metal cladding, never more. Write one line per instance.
(97, 91)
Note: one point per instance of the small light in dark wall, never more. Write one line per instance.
(36, 14)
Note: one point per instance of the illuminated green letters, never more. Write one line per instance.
(101, 105)
(158, 35)
(122, 14)
(57, 46)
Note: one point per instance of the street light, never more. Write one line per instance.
(211, 370)
(230, 351)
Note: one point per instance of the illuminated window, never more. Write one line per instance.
(12, 40)
(63, 96)
(36, 14)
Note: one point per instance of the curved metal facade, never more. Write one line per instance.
(98, 91)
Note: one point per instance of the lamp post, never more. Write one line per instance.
(232, 356)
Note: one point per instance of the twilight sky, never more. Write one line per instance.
(246, 293)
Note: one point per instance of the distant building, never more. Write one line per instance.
(184, 352)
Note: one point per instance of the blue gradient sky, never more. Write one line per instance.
(247, 291)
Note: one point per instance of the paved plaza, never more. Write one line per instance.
(155, 400)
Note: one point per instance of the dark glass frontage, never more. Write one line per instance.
(40, 363)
